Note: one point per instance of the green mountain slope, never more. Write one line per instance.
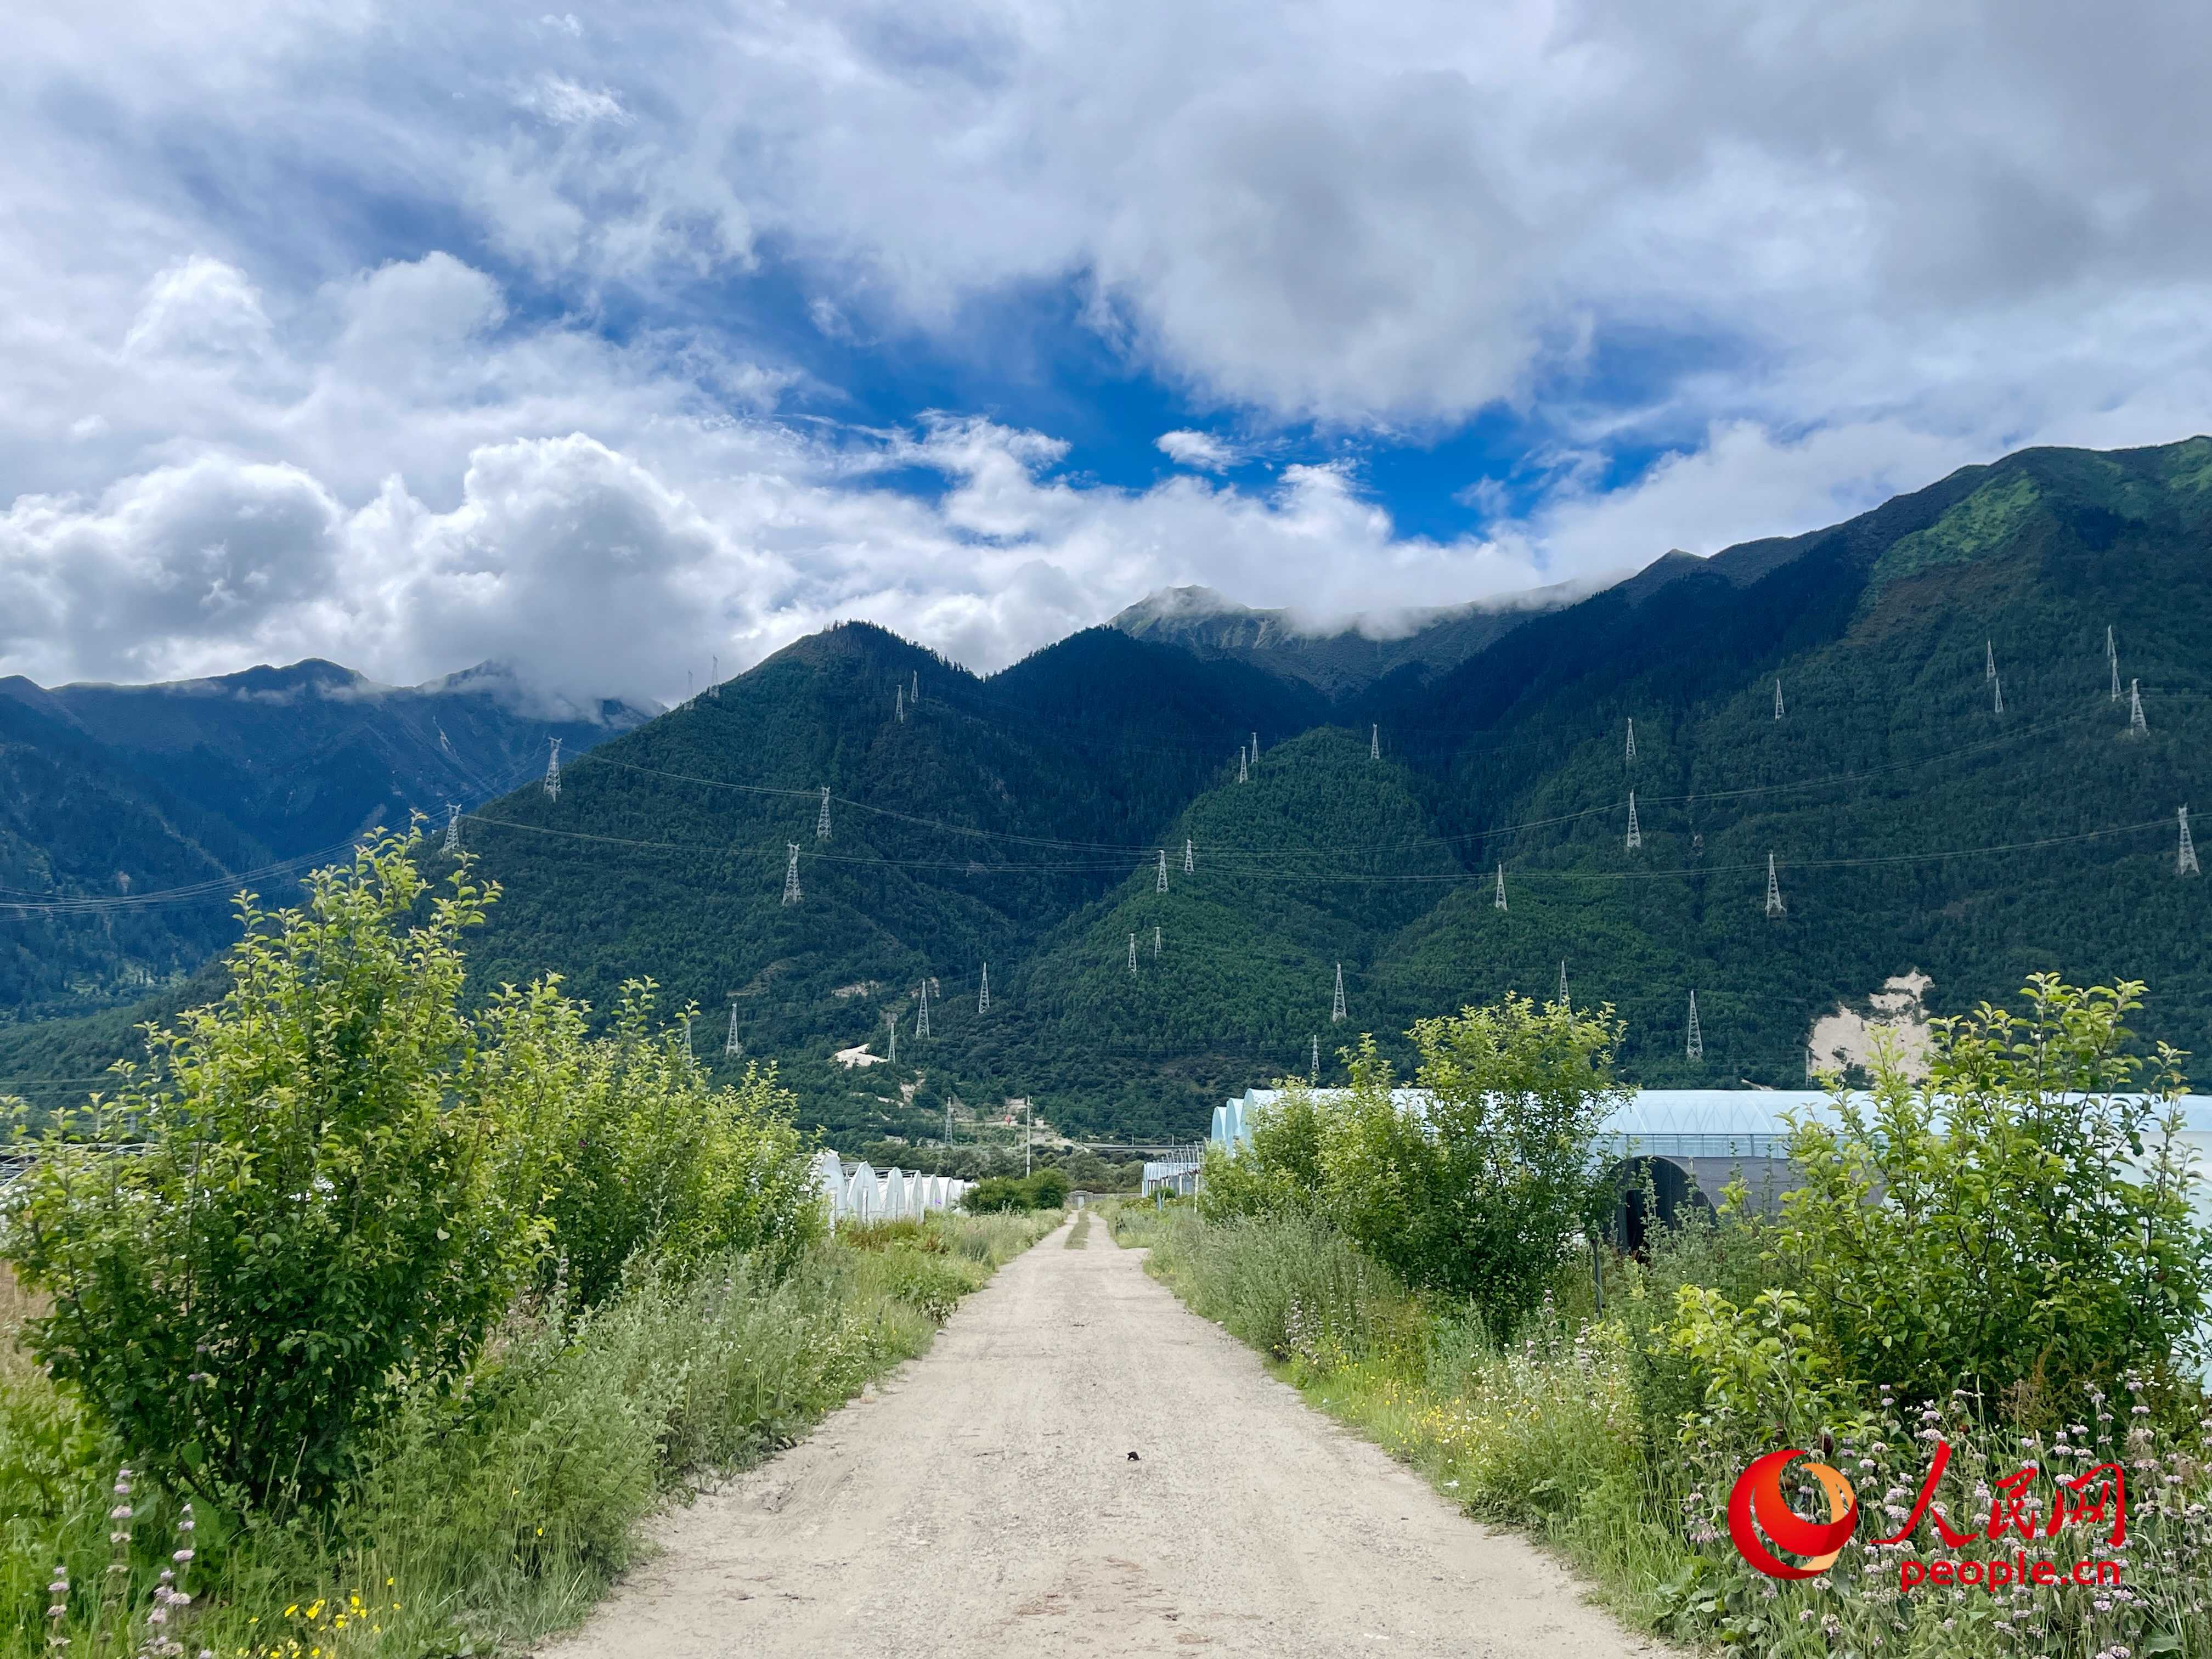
(1017, 820)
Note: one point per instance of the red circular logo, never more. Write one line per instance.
(1758, 1494)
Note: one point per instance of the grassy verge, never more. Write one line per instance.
(1079, 1236)
(1557, 1433)
(493, 1514)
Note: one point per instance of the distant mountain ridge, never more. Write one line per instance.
(1339, 661)
(112, 795)
(1910, 714)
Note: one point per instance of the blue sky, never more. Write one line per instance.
(612, 341)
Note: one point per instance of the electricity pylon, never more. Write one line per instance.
(822, 824)
(1189, 859)
(898, 703)
(453, 830)
(1695, 1044)
(2135, 707)
(2184, 863)
(1777, 696)
(1632, 741)
(1996, 691)
(1156, 941)
(1161, 884)
(983, 996)
(791, 875)
(1336, 1007)
(1243, 774)
(733, 1046)
(1313, 1074)
(1774, 905)
(1499, 902)
(553, 771)
(1375, 743)
(921, 1012)
(1635, 834)
(1133, 956)
(1564, 1003)
(890, 1024)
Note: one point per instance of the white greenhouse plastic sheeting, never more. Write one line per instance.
(857, 1193)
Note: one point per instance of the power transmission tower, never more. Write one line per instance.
(921, 1012)
(2112, 657)
(1635, 834)
(1133, 956)
(2116, 679)
(890, 1024)
(2184, 863)
(553, 771)
(1156, 941)
(822, 824)
(1777, 696)
(898, 703)
(1375, 743)
(1313, 1074)
(1564, 1003)
(983, 996)
(1996, 691)
(1631, 740)
(1189, 858)
(1161, 884)
(453, 830)
(1336, 1007)
(1243, 775)
(1499, 902)
(2135, 707)
(1774, 905)
(791, 875)
(1695, 1045)
(733, 1046)
(1988, 660)
(1255, 748)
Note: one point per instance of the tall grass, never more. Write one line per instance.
(1574, 1431)
(499, 1511)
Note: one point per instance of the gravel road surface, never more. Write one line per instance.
(983, 1501)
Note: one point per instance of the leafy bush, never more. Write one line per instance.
(2018, 1223)
(641, 1152)
(1481, 1192)
(1047, 1189)
(332, 1207)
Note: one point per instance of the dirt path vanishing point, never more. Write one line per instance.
(983, 1502)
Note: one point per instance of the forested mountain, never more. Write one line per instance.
(1921, 815)
(129, 815)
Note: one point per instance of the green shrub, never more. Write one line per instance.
(641, 1152)
(332, 1207)
(2017, 1223)
(1046, 1189)
(1483, 1197)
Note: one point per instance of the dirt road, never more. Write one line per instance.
(984, 1501)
